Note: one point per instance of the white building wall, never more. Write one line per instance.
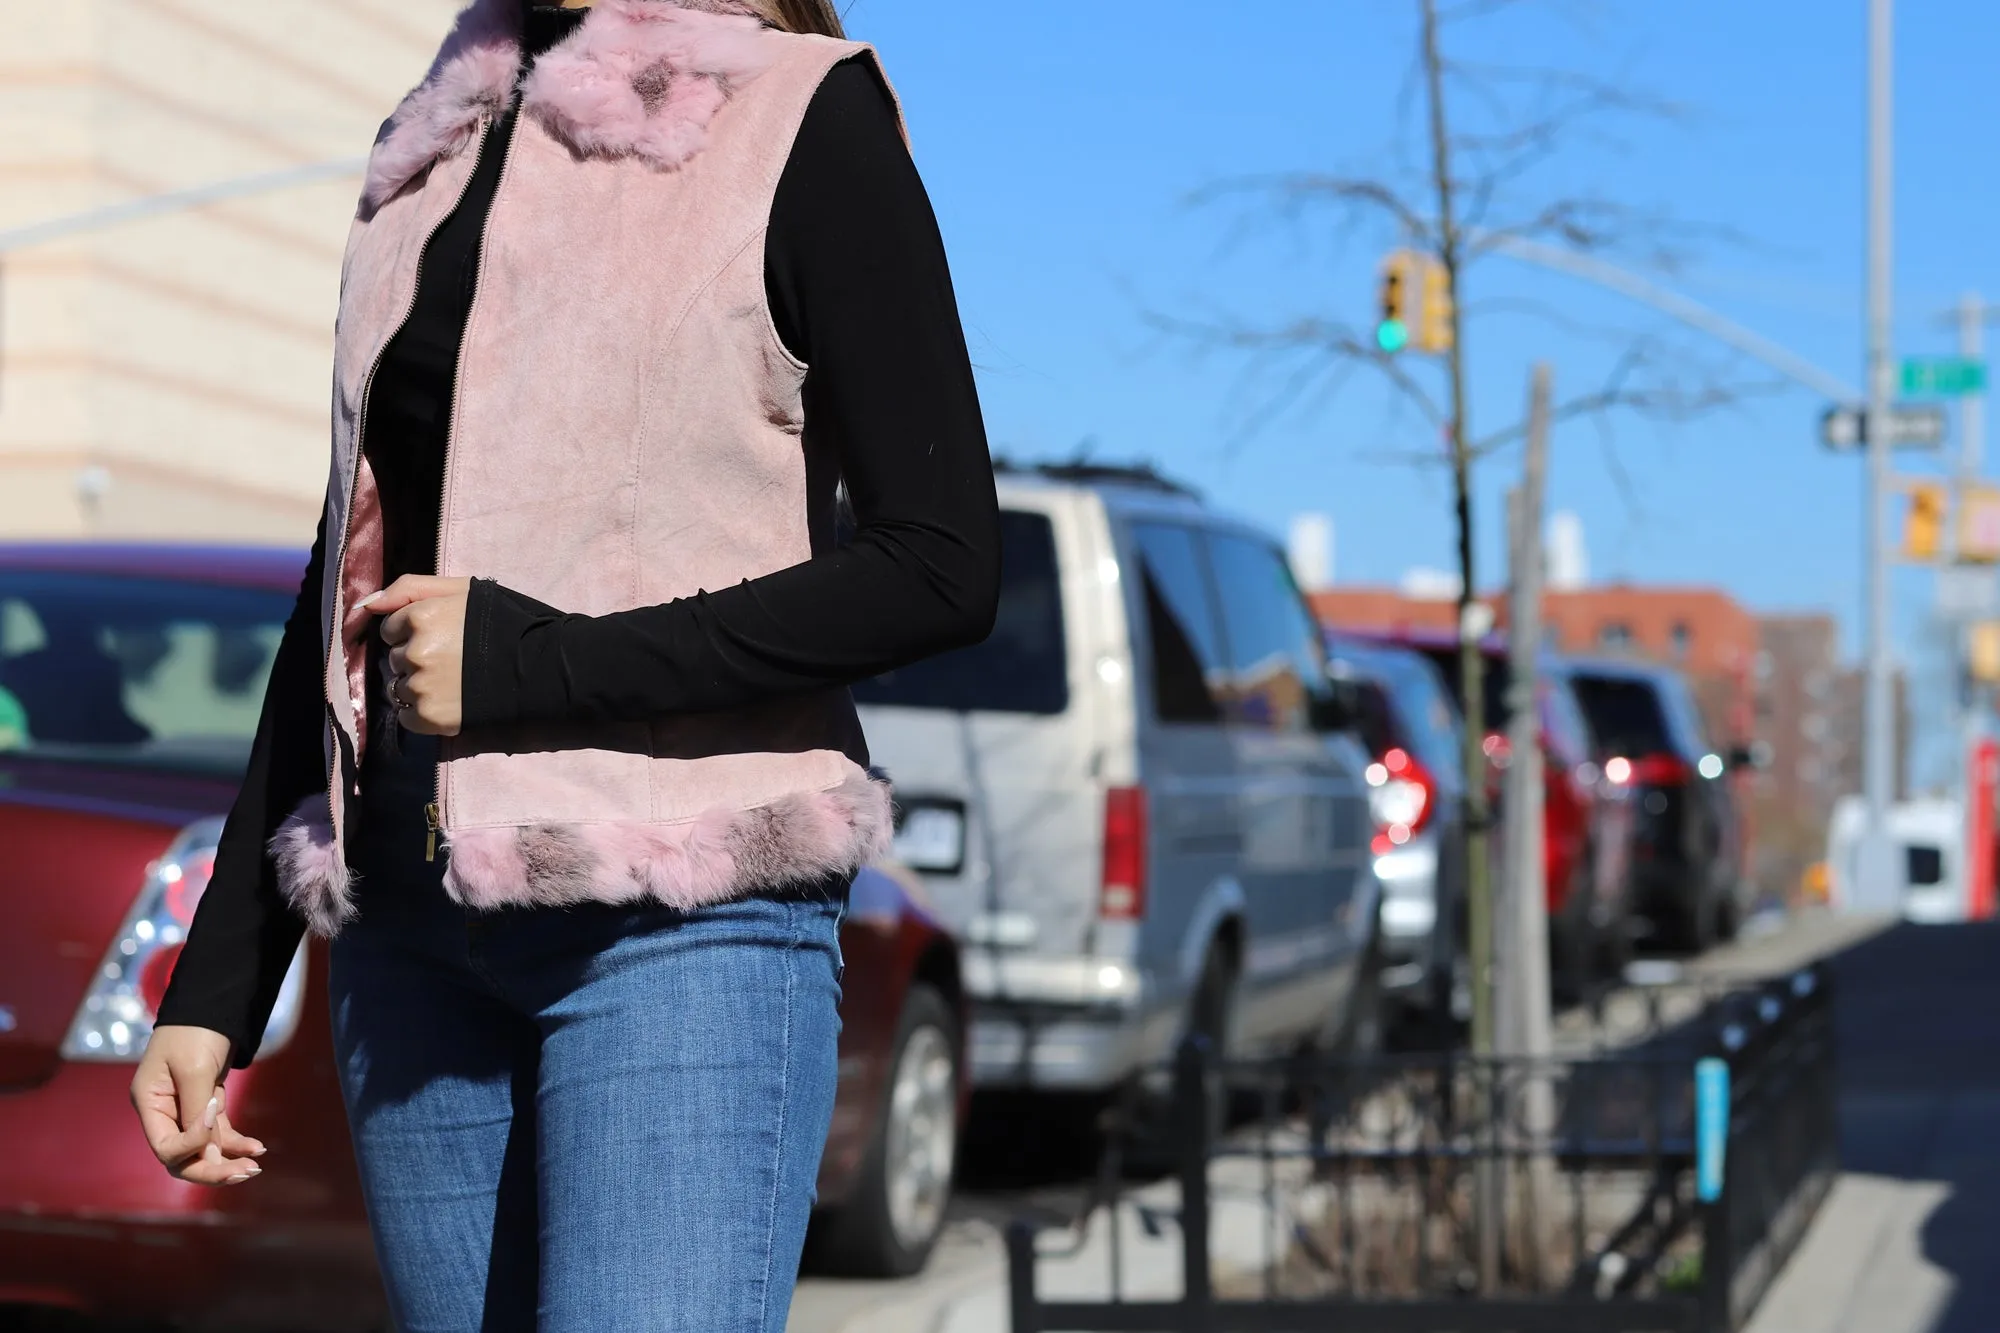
(183, 362)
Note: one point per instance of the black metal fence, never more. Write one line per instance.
(1655, 1188)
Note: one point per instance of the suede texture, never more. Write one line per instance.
(627, 431)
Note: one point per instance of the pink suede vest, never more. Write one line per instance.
(627, 431)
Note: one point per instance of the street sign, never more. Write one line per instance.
(1944, 376)
(1908, 425)
(1967, 592)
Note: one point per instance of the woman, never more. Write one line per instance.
(557, 745)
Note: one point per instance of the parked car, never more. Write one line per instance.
(1687, 851)
(1412, 731)
(1586, 821)
(1138, 801)
(135, 676)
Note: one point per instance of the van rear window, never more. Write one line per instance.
(1022, 666)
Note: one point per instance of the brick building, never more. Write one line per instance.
(1701, 630)
(1797, 719)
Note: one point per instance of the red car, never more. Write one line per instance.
(1586, 820)
(131, 679)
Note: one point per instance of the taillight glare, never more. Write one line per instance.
(1402, 796)
(183, 882)
(1649, 770)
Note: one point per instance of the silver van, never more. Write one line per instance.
(1137, 803)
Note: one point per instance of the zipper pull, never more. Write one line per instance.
(431, 831)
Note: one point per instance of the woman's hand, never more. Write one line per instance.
(179, 1096)
(425, 631)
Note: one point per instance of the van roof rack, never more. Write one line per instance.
(1142, 475)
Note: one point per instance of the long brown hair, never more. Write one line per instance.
(804, 16)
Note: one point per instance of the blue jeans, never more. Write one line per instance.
(591, 1119)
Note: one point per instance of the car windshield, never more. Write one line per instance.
(1625, 716)
(1021, 667)
(1495, 684)
(132, 670)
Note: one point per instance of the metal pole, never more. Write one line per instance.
(1971, 448)
(1873, 880)
(1526, 934)
(1195, 1065)
(1603, 273)
(1021, 1300)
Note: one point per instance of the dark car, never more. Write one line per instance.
(130, 684)
(1585, 819)
(1687, 852)
(1411, 729)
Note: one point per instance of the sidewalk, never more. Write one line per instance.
(1909, 1241)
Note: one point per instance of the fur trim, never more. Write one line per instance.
(712, 858)
(715, 857)
(469, 80)
(311, 870)
(643, 79)
(639, 78)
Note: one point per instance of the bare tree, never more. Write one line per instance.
(1464, 201)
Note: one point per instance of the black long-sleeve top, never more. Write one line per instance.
(861, 293)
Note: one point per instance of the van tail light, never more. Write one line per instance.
(1122, 896)
(1652, 770)
(1402, 796)
(116, 1017)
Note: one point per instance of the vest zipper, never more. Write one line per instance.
(440, 790)
(431, 832)
(339, 569)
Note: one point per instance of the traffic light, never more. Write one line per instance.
(1416, 305)
(1434, 315)
(1399, 283)
(1983, 652)
(1923, 520)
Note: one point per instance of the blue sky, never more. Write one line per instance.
(1060, 142)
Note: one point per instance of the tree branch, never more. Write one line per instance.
(1664, 399)
(1306, 335)
(1296, 191)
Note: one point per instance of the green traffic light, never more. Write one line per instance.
(1391, 336)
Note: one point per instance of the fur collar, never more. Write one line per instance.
(638, 78)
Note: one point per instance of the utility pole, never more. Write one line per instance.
(1524, 934)
(1875, 878)
(1523, 966)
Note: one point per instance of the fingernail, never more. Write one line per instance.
(371, 598)
(208, 1116)
(239, 1179)
(253, 1170)
(258, 1151)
